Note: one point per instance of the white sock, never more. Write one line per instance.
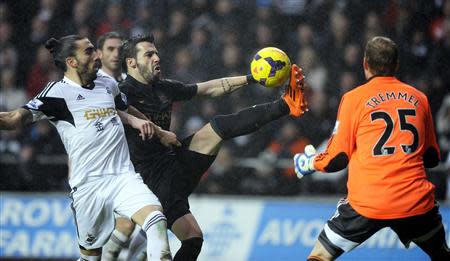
(115, 244)
(155, 227)
(88, 258)
(138, 247)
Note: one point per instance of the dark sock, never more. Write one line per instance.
(249, 119)
(189, 250)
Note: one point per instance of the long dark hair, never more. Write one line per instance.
(62, 48)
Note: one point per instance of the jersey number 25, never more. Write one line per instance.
(379, 149)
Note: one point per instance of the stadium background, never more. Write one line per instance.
(200, 40)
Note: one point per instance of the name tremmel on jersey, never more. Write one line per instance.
(374, 101)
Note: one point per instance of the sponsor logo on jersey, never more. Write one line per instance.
(34, 104)
(99, 113)
(80, 97)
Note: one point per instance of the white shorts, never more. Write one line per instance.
(95, 202)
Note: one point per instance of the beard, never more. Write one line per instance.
(147, 74)
(88, 75)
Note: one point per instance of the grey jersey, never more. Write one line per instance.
(88, 124)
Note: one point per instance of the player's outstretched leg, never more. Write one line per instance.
(118, 240)
(251, 119)
(207, 140)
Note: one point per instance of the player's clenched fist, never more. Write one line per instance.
(304, 162)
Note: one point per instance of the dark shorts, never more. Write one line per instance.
(347, 229)
(174, 177)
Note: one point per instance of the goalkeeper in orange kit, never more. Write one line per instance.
(385, 134)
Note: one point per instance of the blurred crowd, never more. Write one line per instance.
(199, 40)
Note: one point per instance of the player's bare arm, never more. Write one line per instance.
(145, 127)
(218, 87)
(136, 113)
(15, 119)
(167, 138)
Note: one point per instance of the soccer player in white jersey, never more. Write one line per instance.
(108, 47)
(86, 110)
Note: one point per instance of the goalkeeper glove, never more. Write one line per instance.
(304, 162)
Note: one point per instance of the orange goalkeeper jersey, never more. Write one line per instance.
(384, 132)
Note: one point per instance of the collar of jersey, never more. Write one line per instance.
(69, 81)
(381, 78)
(101, 72)
(135, 82)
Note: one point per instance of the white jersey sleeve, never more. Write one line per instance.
(50, 104)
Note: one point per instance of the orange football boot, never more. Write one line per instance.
(294, 93)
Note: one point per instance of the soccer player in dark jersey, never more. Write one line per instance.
(172, 174)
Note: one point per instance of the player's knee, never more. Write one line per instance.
(197, 233)
(222, 126)
(125, 226)
(192, 232)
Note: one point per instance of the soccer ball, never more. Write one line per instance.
(270, 67)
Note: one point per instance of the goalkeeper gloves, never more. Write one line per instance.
(304, 162)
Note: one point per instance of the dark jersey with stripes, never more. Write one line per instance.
(155, 101)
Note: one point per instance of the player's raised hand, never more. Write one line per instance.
(304, 162)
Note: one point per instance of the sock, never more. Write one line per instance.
(88, 258)
(249, 119)
(189, 250)
(115, 244)
(155, 227)
(137, 251)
